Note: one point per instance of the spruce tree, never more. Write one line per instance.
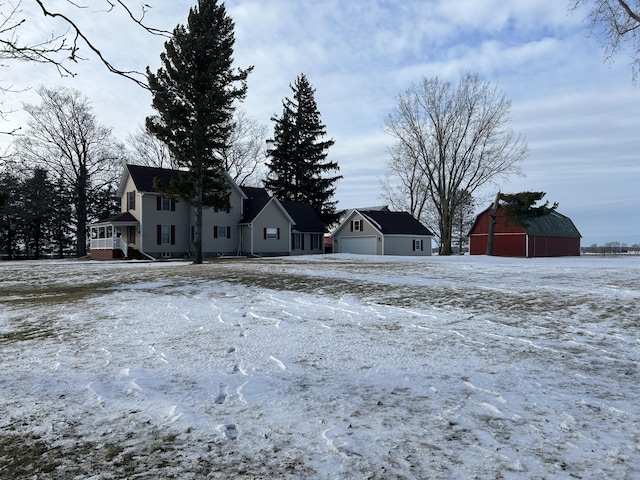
(519, 207)
(194, 93)
(38, 200)
(297, 164)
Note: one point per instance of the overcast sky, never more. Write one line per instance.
(579, 114)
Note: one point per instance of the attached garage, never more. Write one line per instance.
(360, 245)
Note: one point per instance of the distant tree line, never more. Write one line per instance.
(612, 248)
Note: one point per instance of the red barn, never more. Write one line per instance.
(552, 235)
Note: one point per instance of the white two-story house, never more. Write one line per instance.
(153, 225)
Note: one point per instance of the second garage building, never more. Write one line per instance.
(381, 232)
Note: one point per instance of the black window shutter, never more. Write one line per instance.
(159, 234)
(173, 205)
(265, 233)
(293, 241)
(302, 242)
(173, 234)
(278, 233)
(361, 225)
(351, 225)
(229, 232)
(215, 231)
(158, 203)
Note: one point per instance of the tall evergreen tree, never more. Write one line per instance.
(519, 207)
(297, 164)
(62, 219)
(9, 214)
(194, 93)
(38, 194)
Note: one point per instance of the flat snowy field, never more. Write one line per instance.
(327, 367)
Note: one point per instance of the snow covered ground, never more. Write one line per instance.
(327, 367)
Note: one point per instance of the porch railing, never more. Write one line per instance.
(111, 243)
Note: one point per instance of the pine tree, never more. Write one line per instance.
(519, 207)
(9, 214)
(194, 93)
(297, 164)
(38, 194)
(62, 219)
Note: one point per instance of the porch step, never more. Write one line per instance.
(133, 254)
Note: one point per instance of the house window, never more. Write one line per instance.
(166, 234)
(131, 234)
(131, 200)
(315, 242)
(418, 245)
(297, 241)
(165, 203)
(271, 233)
(221, 231)
(357, 225)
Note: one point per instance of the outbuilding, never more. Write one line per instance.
(552, 235)
(381, 232)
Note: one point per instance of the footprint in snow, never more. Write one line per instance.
(222, 394)
(230, 431)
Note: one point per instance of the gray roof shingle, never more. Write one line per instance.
(396, 223)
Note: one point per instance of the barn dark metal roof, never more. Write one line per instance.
(553, 225)
(395, 223)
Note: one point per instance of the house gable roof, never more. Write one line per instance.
(304, 217)
(255, 206)
(395, 223)
(143, 177)
(389, 223)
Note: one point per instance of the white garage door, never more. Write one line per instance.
(361, 245)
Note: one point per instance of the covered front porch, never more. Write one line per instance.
(114, 237)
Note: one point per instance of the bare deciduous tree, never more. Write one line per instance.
(60, 48)
(457, 137)
(64, 138)
(149, 150)
(619, 22)
(244, 159)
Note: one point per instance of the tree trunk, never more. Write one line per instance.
(446, 230)
(197, 240)
(81, 221)
(492, 224)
